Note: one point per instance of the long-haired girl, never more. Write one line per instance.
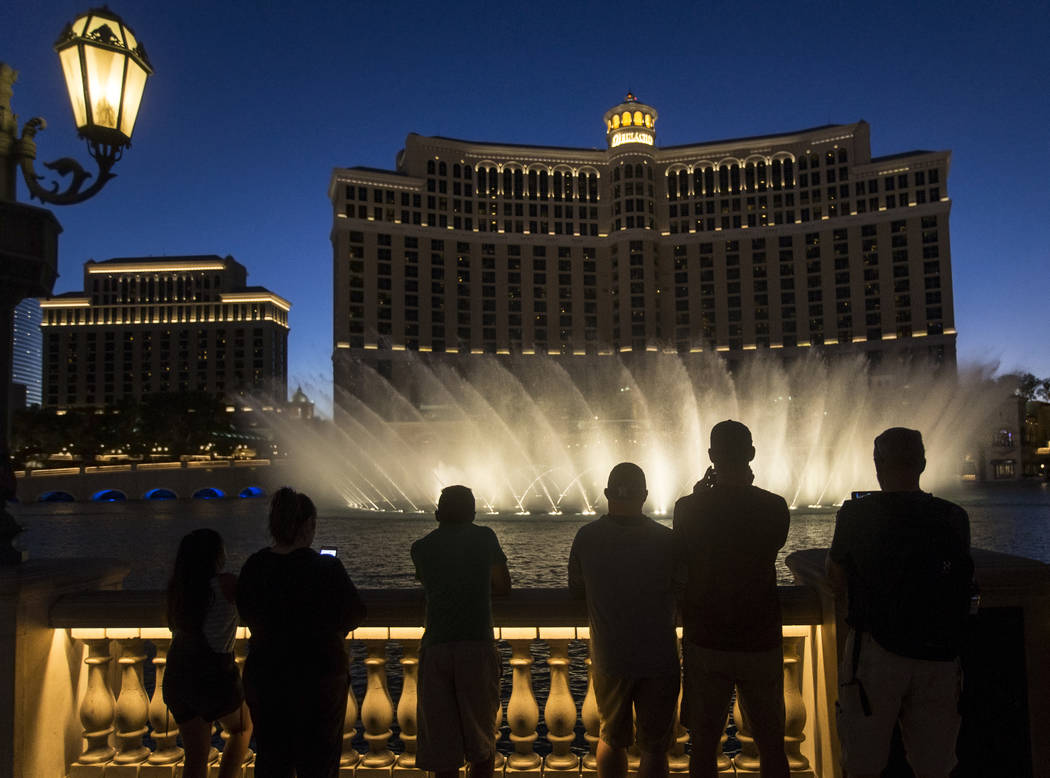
(201, 681)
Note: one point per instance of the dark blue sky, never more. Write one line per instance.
(253, 104)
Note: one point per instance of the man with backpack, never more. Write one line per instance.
(901, 558)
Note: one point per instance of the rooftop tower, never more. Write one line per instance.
(630, 122)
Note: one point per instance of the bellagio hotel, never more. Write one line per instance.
(782, 243)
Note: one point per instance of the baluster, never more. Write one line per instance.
(795, 707)
(98, 707)
(589, 713)
(747, 759)
(349, 757)
(560, 711)
(499, 761)
(725, 764)
(377, 709)
(407, 718)
(165, 731)
(132, 704)
(523, 714)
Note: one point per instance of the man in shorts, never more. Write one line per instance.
(900, 560)
(621, 563)
(461, 566)
(727, 536)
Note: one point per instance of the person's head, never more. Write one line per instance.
(626, 491)
(455, 505)
(200, 556)
(293, 518)
(900, 459)
(731, 447)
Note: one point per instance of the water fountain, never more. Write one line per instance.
(535, 434)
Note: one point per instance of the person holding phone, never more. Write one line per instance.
(727, 536)
(299, 605)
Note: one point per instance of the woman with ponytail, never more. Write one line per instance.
(299, 606)
(201, 681)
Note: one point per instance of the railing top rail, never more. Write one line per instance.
(386, 608)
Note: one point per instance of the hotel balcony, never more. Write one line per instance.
(82, 660)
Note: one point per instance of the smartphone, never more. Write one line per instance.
(328, 550)
(852, 495)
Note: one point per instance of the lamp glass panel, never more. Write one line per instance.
(80, 25)
(105, 74)
(129, 38)
(133, 87)
(74, 83)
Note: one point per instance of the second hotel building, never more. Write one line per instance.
(782, 242)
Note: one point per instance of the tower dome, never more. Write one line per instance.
(630, 122)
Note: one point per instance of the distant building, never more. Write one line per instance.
(1016, 443)
(145, 325)
(26, 361)
(782, 242)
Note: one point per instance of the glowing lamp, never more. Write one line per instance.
(106, 68)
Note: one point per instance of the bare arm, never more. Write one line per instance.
(501, 586)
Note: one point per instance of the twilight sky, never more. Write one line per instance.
(254, 103)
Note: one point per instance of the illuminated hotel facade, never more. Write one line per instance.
(780, 243)
(147, 325)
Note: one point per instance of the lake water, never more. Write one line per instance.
(1013, 518)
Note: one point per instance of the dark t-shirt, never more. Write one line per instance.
(726, 544)
(623, 565)
(455, 563)
(300, 607)
(865, 544)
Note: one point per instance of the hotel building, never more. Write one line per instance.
(145, 325)
(26, 357)
(781, 243)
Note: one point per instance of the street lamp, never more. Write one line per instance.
(105, 67)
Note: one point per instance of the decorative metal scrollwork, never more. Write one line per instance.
(105, 157)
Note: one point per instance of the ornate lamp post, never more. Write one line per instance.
(106, 68)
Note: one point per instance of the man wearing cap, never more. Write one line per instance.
(460, 565)
(727, 536)
(622, 564)
(900, 563)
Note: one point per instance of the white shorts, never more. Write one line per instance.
(922, 694)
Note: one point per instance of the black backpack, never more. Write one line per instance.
(918, 604)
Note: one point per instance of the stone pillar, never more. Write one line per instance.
(407, 718)
(132, 710)
(165, 730)
(523, 714)
(98, 708)
(589, 715)
(560, 711)
(349, 758)
(795, 708)
(500, 761)
(377, 709)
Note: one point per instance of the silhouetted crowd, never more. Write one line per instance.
(899, 567)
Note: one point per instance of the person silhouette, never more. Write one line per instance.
(622, 565)
(201, 681)
(299, 605)
(727, 536)
(900, 563)
(460, 565)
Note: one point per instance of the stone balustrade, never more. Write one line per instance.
(542, 636)
(82, 663)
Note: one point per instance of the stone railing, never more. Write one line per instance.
(81, 664)
(110, 634)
